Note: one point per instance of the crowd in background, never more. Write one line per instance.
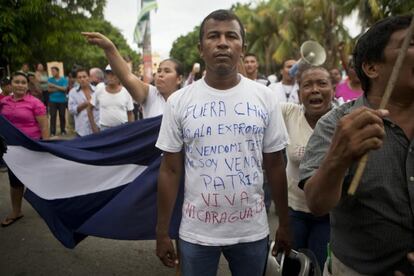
(54, 90)
(95, 100)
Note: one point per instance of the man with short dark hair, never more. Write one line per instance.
(79, 101)
(57, 100)
(251, 65)
(287, 89)
(222, 128)
(373, 230)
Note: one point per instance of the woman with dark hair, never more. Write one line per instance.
(28, 114)
(316, 94)
(152, 98)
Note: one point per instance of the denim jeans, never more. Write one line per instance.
(244, 258)
(310, 232)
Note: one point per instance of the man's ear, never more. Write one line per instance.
(371, 69)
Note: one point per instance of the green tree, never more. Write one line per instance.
(43, 30)
(370, 11)
(261, 36)
(277, 28)
(185, 49)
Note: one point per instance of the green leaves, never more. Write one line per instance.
(185, 50)
(45, 30)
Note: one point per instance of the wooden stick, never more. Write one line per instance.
(384, 101)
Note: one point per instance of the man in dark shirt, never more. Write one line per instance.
(373, 231)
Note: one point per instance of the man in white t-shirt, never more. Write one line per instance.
(287, 89)
(113, 101)
(222, 128)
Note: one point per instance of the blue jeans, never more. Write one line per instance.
(244, 258)
(310, 232)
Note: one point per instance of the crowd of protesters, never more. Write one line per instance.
(320, 122)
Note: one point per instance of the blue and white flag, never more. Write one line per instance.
(102, 185)
(143, 21)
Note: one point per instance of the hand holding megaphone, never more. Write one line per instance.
(312, 53)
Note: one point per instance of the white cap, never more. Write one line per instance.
(108, 68)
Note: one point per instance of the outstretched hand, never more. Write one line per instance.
(99, 40)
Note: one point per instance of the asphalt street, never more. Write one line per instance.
(28, 248)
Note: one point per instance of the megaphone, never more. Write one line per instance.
(298, 263)
(312, 53)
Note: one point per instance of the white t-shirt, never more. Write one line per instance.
(100, 85)
(299, 133)
(285, 93)
(113, 107)
(154, 104)
(224, 134)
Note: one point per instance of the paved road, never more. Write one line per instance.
(28, 248)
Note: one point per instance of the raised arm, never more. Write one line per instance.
(356, 133)
(137, 88)
(168, 183)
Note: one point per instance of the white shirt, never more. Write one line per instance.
(299, 133)
(113, 107)
(154, 104)
(224, 134)
(82, 124)
(285, 93)
(100, 85)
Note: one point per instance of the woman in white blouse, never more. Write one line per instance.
(168, 78)
(316, 94)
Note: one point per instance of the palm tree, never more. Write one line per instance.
(370, 11)
(275, 29)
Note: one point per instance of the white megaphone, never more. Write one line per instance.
(311, 53)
